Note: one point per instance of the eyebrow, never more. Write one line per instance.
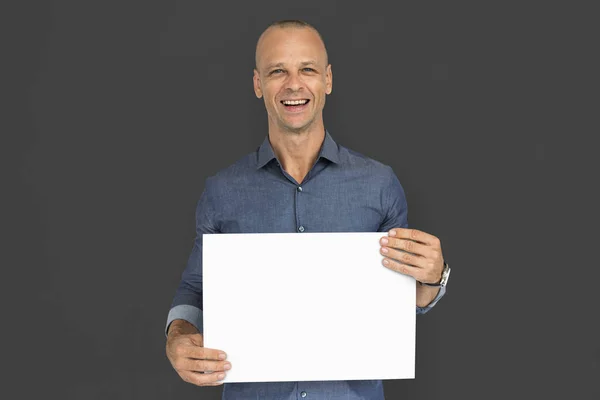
(302, 64)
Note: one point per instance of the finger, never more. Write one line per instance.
(203, 365)
(402, 268)
(218, 383)
(404, 257)
(407, 245)
(203, 353)
(414, 234)
(202, 379)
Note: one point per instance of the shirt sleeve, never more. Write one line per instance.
(396, 209)
(187, 303)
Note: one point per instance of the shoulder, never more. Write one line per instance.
(239, 172)
(377, 171)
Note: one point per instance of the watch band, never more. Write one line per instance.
(444, 280)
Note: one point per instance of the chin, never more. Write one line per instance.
(297, 127)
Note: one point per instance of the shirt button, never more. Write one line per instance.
(299, 188)
(301, 228)
(303, 394)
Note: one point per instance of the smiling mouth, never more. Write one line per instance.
(295, 105)
(298, 102)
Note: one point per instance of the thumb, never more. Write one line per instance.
(197, 339)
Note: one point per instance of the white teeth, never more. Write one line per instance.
(294, 102)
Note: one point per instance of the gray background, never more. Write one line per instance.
(114, 113)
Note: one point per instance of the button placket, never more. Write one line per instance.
(300, 227)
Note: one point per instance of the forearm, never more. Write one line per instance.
(425, 294)
(187, 303)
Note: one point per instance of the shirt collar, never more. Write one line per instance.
(329, 150)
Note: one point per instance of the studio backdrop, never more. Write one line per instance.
(119, 111)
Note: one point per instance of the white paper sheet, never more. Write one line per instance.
(307, 307)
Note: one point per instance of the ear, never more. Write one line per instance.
(328, 80)
(257, 89)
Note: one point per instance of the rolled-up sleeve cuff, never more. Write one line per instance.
(191, 314)
(423, 310)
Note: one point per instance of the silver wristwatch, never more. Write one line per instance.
(444, 280)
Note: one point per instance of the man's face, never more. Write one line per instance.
(293, 77)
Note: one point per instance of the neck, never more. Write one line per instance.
(297, 151)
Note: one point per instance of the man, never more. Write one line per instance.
(299, 180)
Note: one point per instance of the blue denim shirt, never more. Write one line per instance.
(343, 192)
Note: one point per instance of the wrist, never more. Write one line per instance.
(181, 327)
(426, 294)
(443, 279)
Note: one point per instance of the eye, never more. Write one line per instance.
(276, 71)
(307, 69)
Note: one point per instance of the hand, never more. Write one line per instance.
(193, 362)
(414, 253)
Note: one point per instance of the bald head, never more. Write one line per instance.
(281, 25)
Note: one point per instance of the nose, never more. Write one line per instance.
(294, 82)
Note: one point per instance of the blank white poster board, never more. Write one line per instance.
(307, 307)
